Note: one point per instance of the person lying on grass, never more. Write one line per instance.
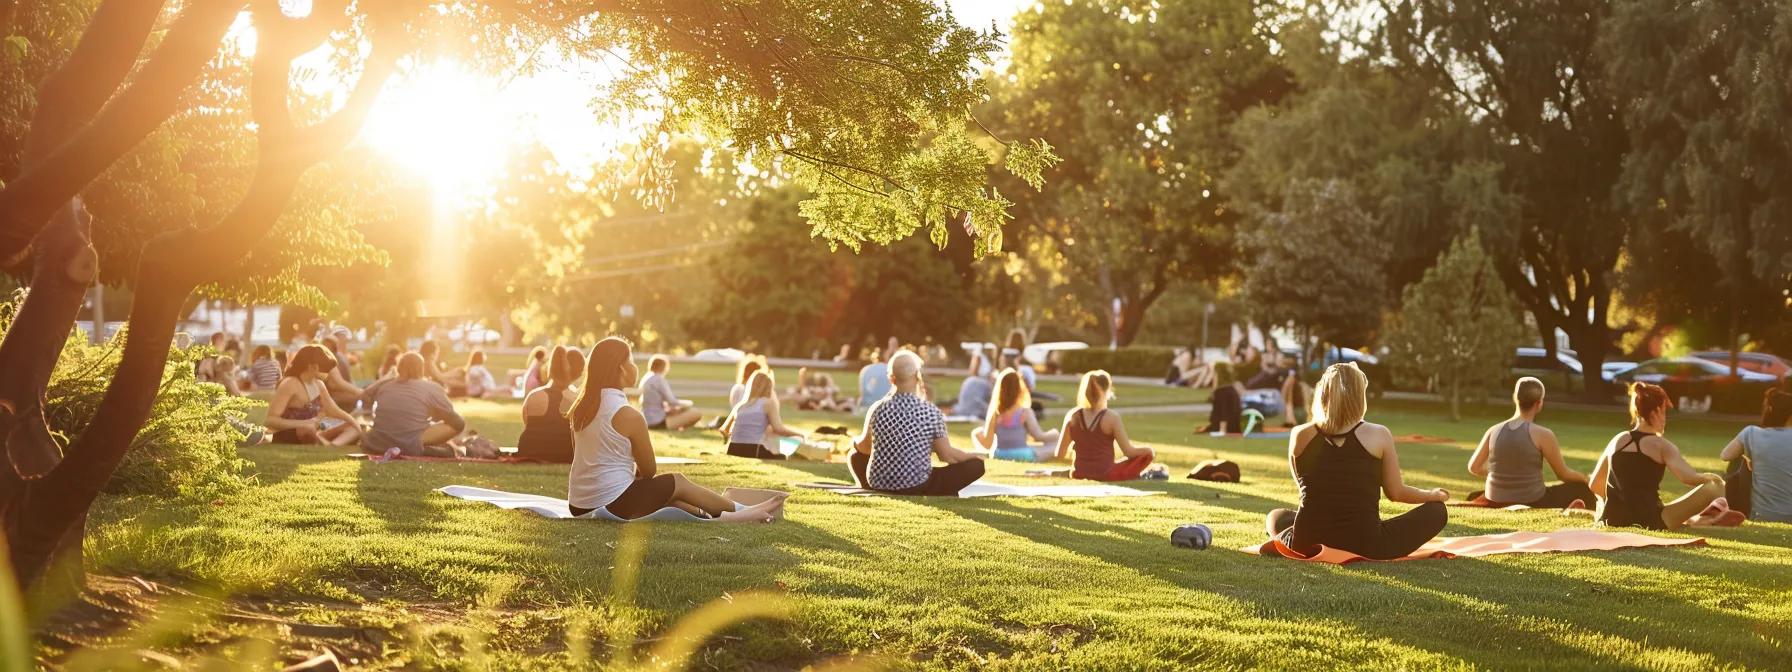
(1627, 479)
(302, 411)
(613, 465)
(1010, 427)
(1342, 466)
(902, 433)
(1760, 480)
(756, 419)
(1511, 457)
(547, 434)
(413, 417)
(664, 410)
(1093, 432)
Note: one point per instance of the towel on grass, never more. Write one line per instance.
(986, 489)
(553, 507)
(1558, 541)
(510, 459)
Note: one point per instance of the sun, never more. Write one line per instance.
(446, 124)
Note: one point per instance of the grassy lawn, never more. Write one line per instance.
(936, 584)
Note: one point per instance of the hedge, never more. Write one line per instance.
(1139, 360)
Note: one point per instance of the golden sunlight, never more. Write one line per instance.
(446, 124)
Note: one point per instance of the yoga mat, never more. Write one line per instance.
(986, 489)
(508, 459)
(551, 507)
(1559, 541)
(962, 419)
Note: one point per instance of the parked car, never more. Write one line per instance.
(1698, 380)
(1564, 369)
(1610, 370)
(1380, 378)
(1758, 362)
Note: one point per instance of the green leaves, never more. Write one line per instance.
(1458, 326)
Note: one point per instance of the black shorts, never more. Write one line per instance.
(658, 425)
(288, 436)
(753, 450)
(644, 496)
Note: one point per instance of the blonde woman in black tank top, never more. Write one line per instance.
(1342, 466)
(1511, 456)
(1628, 478)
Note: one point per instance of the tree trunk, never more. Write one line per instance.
(1455, 401)
(64, 268)
(1735, 345)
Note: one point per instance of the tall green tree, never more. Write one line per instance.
(1530, 75)
(1457, 326)
(1137, 96)
(1318, 263)
(867, 103)
(1711, 157)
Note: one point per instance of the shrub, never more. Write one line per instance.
(1136, 360)
(189, 445)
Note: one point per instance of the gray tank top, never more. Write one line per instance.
(749, 423)
(1515, 467)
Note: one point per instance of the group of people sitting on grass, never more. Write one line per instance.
(1343, 465)
(1268, 379)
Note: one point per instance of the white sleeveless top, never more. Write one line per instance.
(603, 463)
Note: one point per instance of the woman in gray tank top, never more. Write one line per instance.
(1511, 456)
(755, 419)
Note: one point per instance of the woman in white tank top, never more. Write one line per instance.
(613, 465)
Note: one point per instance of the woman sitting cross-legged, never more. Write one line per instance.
(1011, 426)
(613, 465)
(1093, 432)
(1511, 456)
(1343, 466)
(902, 433)
(547, 435)
(1760, 481)
(1627, 479)
(412, 416)
(302, 411)
(754, 418)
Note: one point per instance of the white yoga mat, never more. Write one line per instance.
(552, 507)
(987, 489)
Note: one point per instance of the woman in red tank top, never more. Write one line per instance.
(1093, 432)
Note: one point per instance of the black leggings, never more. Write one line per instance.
(945, 481)
(644, 496)
(1560, 495)
(1393, 538)
(1227, 410)
(752, 450)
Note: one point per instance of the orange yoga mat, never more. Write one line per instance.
(1558, 541)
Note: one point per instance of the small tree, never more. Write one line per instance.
(1457, 326)
(1320, 262)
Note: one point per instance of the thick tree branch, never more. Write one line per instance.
(150, 98)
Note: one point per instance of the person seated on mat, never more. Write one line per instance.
(547, 435)
(340, 381)
(1627, 479)
(902, 433)
(302, 411)
(433, 369)
(613, 464)
(264, 372)
(389, 363)
(413, 416)
(662, 408)
(536, 375)
(1760, 480)
(824, 394)
(755, 419)
(575, 368)
(1011, 428)
(481, 384)
(1511, 456)
(1227, 414)
(975, 392)
(874, 379)
(227, 375)
(1092, 432)
(1342, 466)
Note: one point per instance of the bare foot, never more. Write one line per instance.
(762, 512)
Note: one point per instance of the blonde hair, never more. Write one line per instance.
(1527, 393)
(760, 385)
(1094, 389)
(1340, 399)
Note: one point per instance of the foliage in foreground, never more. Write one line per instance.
(188, 447)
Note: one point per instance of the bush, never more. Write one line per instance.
(1138, 360)
(189, 445)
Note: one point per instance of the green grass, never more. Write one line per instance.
(995, 583)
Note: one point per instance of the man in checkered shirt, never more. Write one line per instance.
(902, 434)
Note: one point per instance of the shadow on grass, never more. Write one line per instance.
(1439, 598)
